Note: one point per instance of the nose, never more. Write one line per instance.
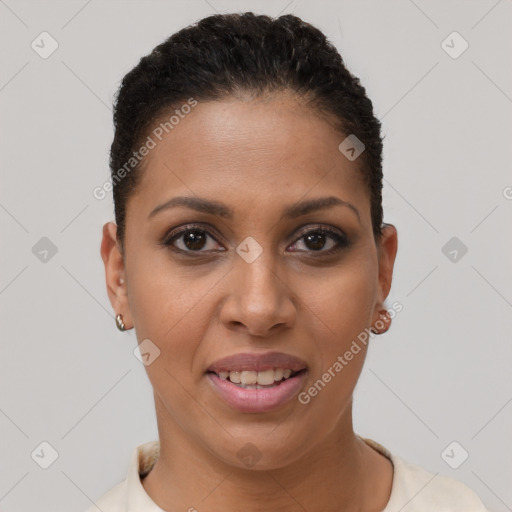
(259, 301)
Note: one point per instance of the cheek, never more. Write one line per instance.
(352, 309)
(344, 301)
(343, 308)
(341, 349)
(171, 309)
(167, 300)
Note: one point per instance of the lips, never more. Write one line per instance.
(257, 363)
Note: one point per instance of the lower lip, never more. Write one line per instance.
(257, 400)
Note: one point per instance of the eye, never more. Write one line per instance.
(192, 239)
(196, 239)
(323, 240)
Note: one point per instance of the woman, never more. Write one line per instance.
(250, 256)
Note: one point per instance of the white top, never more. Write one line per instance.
(414, 489)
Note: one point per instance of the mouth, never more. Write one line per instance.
(255, 382)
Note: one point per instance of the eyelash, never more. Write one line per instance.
(340, 239)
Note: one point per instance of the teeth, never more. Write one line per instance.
(234, 377)
(252, 378)
(264, 378)
(248, 377)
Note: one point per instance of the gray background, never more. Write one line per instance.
(442, 372)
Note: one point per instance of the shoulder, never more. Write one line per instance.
(420, 489)
(415, 489)
(129, 495)
(111, 501)
(437, 492)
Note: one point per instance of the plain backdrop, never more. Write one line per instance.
(441, 375)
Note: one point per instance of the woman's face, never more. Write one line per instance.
(244, 269)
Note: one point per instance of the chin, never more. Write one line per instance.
(262, 451)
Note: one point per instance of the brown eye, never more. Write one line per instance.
(321, 240)
(315, 241)
(192, 240)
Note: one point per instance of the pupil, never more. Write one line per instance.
(194, 240)
(317, 239)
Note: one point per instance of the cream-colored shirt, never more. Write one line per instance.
(414, 489)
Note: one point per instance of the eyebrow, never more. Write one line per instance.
(221, 210)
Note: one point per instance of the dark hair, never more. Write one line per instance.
(231, 54)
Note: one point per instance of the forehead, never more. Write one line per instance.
(274, 146)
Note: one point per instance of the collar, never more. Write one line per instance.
(142, 461)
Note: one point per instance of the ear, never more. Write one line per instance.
(386, 250)
(115, 272)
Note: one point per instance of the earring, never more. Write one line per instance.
(384, 320)
(119, 323)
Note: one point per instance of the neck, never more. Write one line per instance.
(341, 469)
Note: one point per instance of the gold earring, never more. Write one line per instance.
(384, 319)
(119, 323)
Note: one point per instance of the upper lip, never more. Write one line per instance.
(257, 362)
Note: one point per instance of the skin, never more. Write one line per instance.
(257, 156)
